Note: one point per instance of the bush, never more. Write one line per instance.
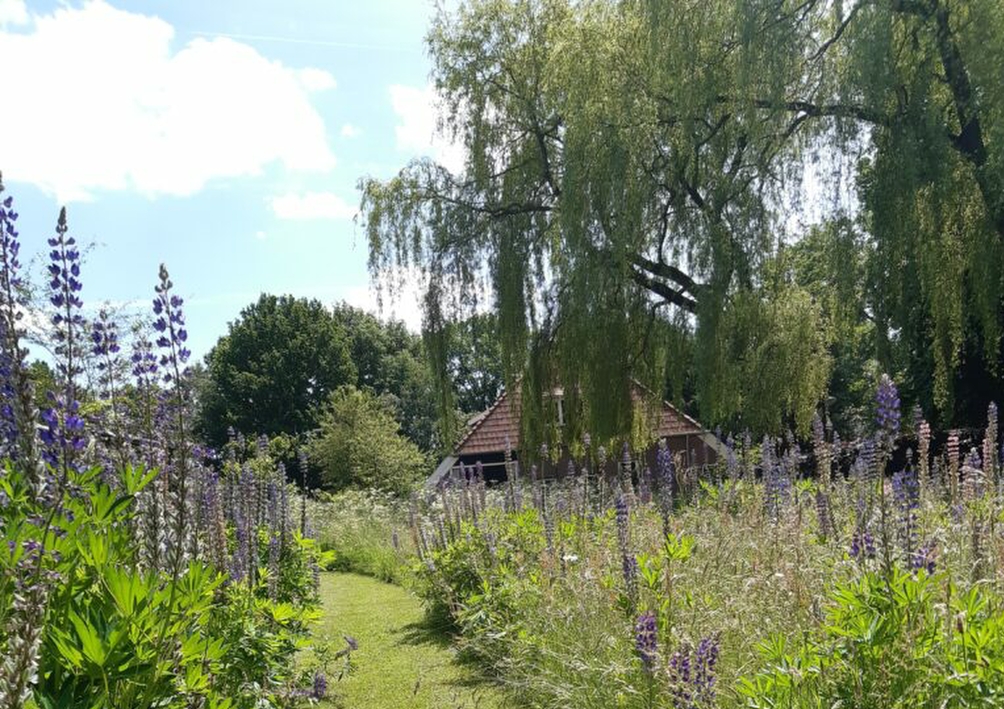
(359, 445)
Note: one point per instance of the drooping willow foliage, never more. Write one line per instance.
(632, 188)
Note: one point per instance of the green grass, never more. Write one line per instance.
(401, 661)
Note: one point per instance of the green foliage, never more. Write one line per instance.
(106, 622)
(114, 633)
(263, 635)
(275, 368)
(359, 445)
(897, 641)
(625, 160)
(474, 364)
(758, 349)
(390, 362)
(282, 359)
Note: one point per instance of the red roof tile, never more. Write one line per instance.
(498, 427)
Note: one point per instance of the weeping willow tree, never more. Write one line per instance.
(632, 176)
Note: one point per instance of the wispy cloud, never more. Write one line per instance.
(289, 39)
(311, 205)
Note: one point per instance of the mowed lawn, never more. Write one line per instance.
(401, 662)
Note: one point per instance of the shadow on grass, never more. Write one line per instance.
(438, 630)
(431, 630)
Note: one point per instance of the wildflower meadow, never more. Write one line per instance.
(477, 354)
(844, 573)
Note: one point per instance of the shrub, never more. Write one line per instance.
(359, 445)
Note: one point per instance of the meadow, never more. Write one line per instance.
(779, 577)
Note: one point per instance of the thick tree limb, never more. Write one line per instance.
(828, 110)
(665, 270)
(970, 142)
(659, 288)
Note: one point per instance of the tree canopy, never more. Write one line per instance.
(635, 172)
(276, 367)
(283, 357)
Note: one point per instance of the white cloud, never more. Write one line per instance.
(350, 131)
(418, 110)
(260, 235)
(104, 103)
(13, 12)
(405, 305)
(311, 205)
(316, 79)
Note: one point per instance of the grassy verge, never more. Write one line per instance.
(401, 662)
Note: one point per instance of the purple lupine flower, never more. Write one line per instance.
(302, 459)
(8, 417)
(924, 450)
(18, 408)
(320, 689)
(19, 671)
(214, 521)
(284, 516)
(248, 511)
(64, 285)
(144, 362)
(887, 414)
(170, 323)
(862, 545)
(645, 486)
(777, 486)
(627, 469)
(705, 660)
(105, 339)
(665, 473)
(273, 567)
(823, 514)
(973, 478)
(242, 553)
(732, 467)
(63, 435)
(679, 679)
(906, 497)
(924, 558)
(645, 633)
(629, 569)
(821, 450)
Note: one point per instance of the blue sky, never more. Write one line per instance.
(223, 138)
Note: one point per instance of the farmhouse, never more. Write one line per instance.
(493, 432)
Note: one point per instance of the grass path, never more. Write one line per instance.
(401, 662)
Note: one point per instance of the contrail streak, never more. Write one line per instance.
(298, 40)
